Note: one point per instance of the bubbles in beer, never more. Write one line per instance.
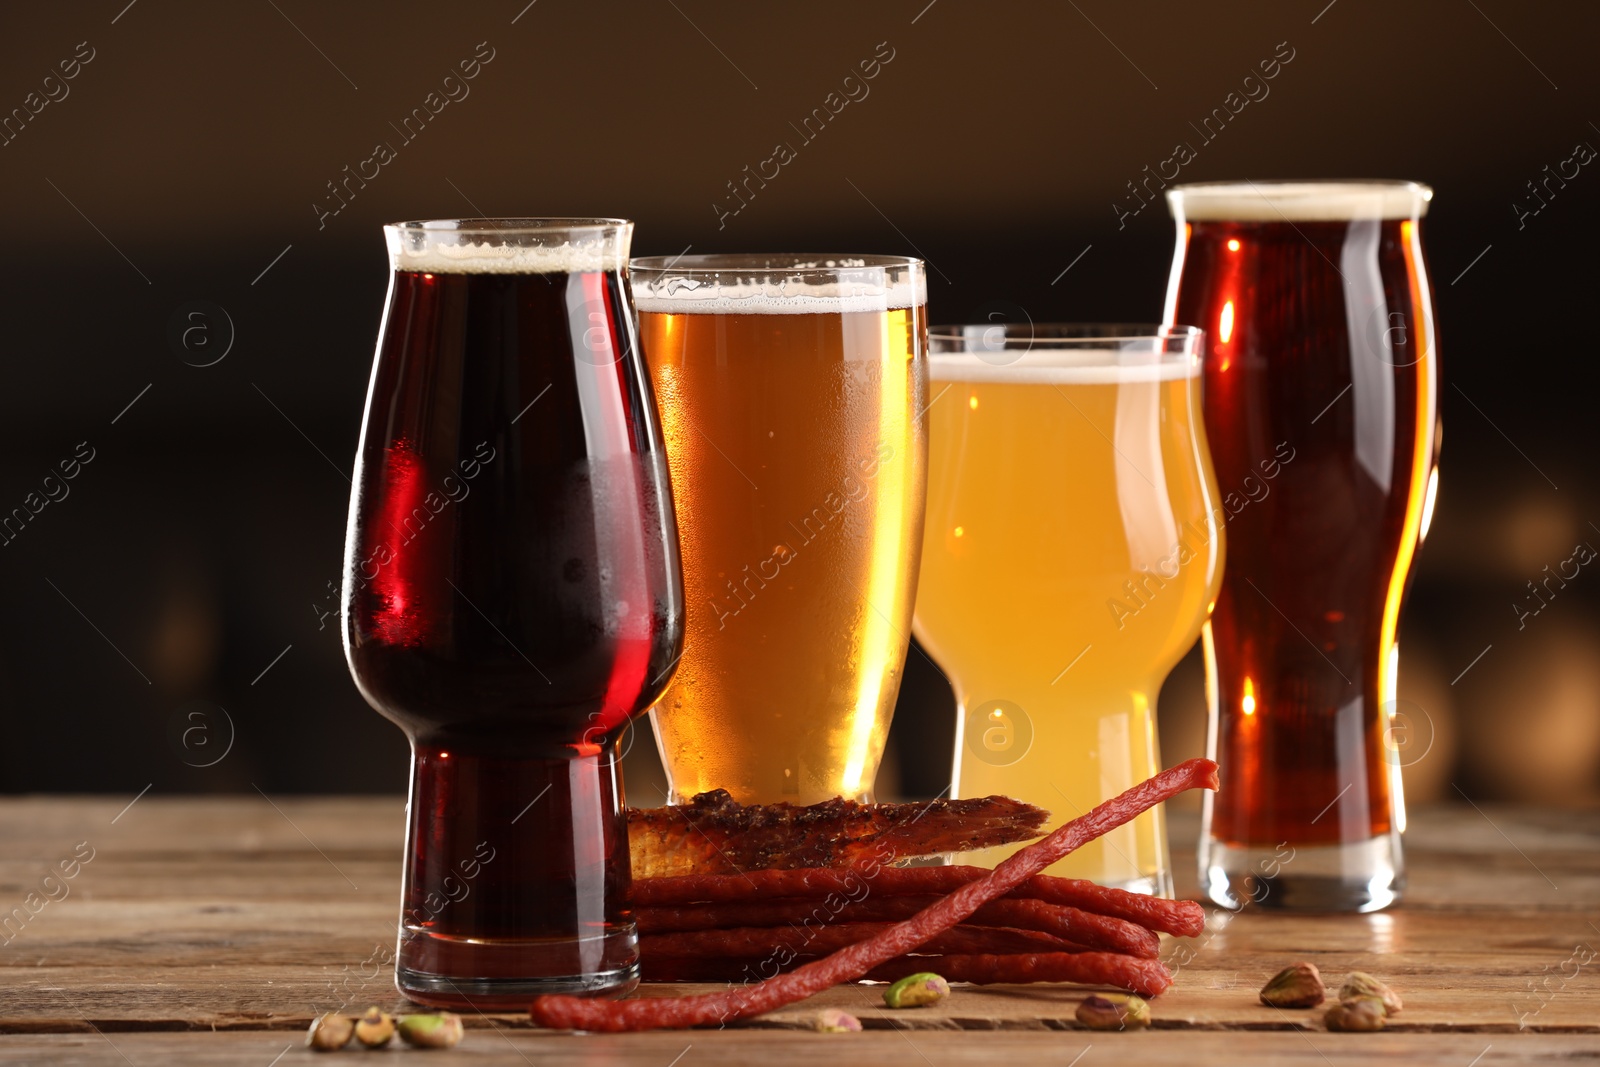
(809, 300)
(1056, 366)
(473, 258)
(840, 285)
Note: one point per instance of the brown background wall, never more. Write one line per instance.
(189, 153)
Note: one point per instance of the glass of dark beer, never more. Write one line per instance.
(512, 597)
(1321, 408)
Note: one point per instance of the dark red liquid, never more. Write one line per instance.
(512, 599)
(1320, 384)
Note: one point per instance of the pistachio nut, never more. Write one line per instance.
(915, 990)
(834, 1021)
(329, 1032)
(431, 1031)
(375, 1028)
(1356, 1015)
(1114, 1011)
(1362, 984)
(1299, 986)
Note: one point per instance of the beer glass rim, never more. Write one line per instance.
(509, 226)
(1060, 352)
(1299, 200)
(773, 283)
(1080, 335)
(509, 246)
(770, 263)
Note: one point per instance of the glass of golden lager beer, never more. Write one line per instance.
(1072, 555)
(793, 400)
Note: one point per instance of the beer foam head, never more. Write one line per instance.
(509, 246)
(1061, 366)
(1279, 201)
(750, 285)
(1063, 354)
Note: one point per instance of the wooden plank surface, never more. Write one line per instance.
(741, 1048)
(249, 916)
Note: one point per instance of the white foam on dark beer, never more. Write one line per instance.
(1044, 366)
(782, 298)
(1298, 201)
(492, 258)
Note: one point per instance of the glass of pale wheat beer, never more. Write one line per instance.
(512, 597)
(1071, 556)
(792, 392)
(1321, 405)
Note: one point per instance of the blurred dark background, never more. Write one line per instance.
(185, 579)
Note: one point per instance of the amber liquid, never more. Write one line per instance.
(798, 447)
(1120, 526)
(512, 598)
(1320, 408)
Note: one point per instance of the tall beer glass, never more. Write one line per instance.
(1321, 405)
(793, 395)
(1072, 554)
(511, 597)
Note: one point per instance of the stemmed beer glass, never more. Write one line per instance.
(512, 596)
(1071, 555)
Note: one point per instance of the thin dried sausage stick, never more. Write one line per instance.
(569, 1012)
(1183, 918)
(1083, 928)
(1146, 977)
(756, 942)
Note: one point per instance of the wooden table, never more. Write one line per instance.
(211, 930)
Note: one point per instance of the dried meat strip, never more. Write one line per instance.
(568, 1012)
(713, 834)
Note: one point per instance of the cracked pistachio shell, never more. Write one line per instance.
(375, 1028)
(1362, 984)
(1356, 1015)
(442, 1030)
(1114, 1011)
(329, 1032)
(1299, 986)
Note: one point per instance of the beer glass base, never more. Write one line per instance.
(1363, 876)
(509, 994)
(505, 975)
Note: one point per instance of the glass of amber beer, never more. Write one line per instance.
(1071, 556)
(792, 392)
(1321, 383)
